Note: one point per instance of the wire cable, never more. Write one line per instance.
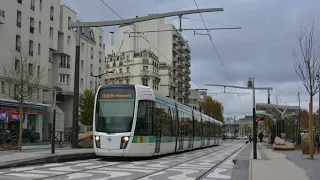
(143, 37)
(218, 54)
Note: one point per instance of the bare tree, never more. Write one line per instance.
(307, 66)
(276, 96)
(22, 78)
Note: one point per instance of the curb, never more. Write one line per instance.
(48, 159)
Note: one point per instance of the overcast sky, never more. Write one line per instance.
(262, 48)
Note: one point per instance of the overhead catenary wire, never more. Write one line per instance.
(218, 53)
(142, 36)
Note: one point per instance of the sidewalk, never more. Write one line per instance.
(271, 164)
(40, 156)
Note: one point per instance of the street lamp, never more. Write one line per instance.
(95, 87)
(254, 130)
(55, 90)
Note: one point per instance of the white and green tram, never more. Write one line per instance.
(133, 120)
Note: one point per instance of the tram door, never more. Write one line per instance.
(158, 129)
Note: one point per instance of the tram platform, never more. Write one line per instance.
(15, 158)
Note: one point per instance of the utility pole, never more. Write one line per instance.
(79, 25)
(251, 86)
(299, 137)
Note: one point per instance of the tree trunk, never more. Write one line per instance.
(20, 128)
(311, 142)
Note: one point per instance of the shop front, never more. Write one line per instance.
(32, 120)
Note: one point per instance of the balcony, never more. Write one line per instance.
(187, 48)
(187, 63)
(64, 65)
(187, 56)
(2, 16)
(188, 71)
(149, 73)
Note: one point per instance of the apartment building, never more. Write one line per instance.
(169, 46)
(40, 29)
(140, 67)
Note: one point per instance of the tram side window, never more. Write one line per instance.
(174, 121)
(165, 120)
(190, 125)
(145, 118)
(196, 126)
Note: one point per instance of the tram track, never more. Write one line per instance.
(110, 164)
(187, 161)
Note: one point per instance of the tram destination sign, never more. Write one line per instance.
(115, 96)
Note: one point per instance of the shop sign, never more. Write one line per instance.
(16, 117)
(3, 116)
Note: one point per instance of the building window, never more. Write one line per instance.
(33, 4)
(64, 78)
(39, 26)
(81, 82)
(20, 1)
(18, 43)
(64, 62)
(31, 48)
(2, 87)
(82, 46)
(30, 91)
(51, 13)
(39, 49)
(19, 19)
(128, 57)
(128, 69)
(99, 72)
(38, 93)
(145, 68)
(38, 70)
(91, 53)
(120, 81)
(68, 40)
(69, 22)
(128, 81)
(30, 68)
(144, 81)
(120, 70)
(40, 4)
(99, 57)
(100, 40)
(82, 62)
(91, 69)
(31, 25)
(51, 32)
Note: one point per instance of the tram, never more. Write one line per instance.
(135, 121)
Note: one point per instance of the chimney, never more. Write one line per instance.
(111, 38)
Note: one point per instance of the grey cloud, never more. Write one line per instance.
(262, 48)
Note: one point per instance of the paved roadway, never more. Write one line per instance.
(206, 164)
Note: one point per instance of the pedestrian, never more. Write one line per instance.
(250, 138)
(260, 136)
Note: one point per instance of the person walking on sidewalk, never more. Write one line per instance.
(250, 138)
(260, 136)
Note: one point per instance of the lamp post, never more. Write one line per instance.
(55, 90)
(96, 76)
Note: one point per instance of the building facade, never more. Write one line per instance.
(141, 67)
(169, 46)
(41, 28)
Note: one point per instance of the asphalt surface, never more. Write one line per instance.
(311, 167)
(207, 164)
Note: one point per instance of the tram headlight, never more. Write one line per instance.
(124, 142)
(97, 139)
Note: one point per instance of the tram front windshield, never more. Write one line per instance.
(114, 110)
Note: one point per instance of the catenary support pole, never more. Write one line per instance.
(76, 93)
(254, 122)
(53, 134)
